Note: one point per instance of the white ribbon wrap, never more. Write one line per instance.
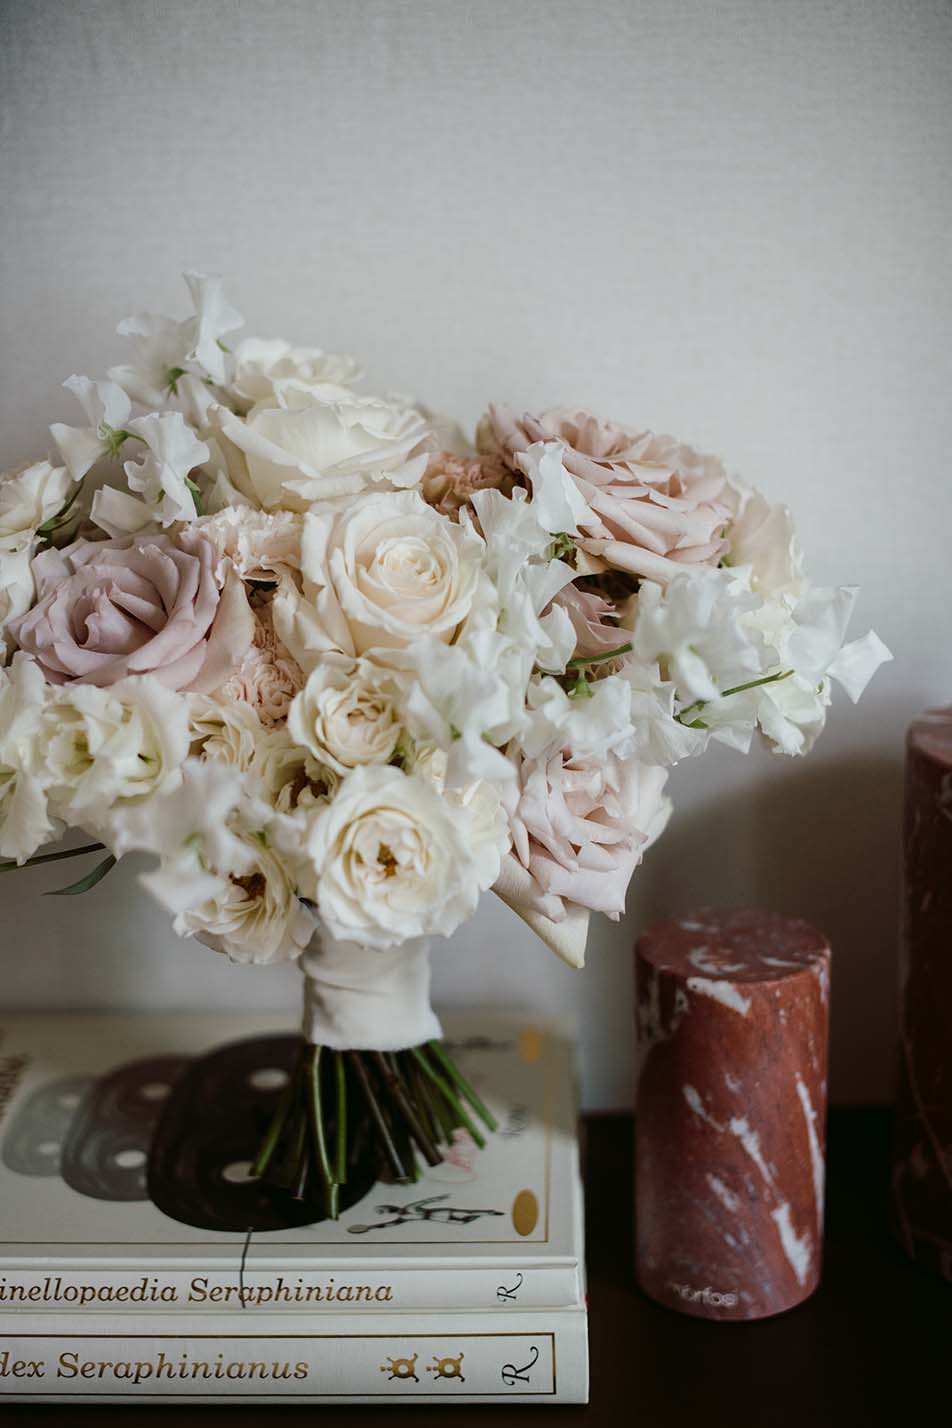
(357, 998)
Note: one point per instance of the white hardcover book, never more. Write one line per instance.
(527, 1356)
(125, 1146)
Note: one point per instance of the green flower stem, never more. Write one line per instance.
(379, 1119)
(331, 1194)
(462, 1085)
(439, 1113)
(297, 1165)
(736, 689)
(583, 661)
(278, 1121)
(444, 1086)
(397, 1093)
(340, 1077)
(52, 857)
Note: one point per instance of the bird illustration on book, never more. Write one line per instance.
(428, 1211)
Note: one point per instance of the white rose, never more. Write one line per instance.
(224, 729)
(24, 819)
(29, 497)
(391, 860)
(266, 367)
(252, 915)
(489, 831)
(763, 537)
(348, 713)
(381, 574)
(102, 747)
(16, 591)
(290, 778)
(319, 444)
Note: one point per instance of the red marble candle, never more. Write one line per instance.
(922, 1156)
(732, 1008)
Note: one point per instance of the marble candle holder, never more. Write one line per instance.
(732, 1009)
(921, 1200)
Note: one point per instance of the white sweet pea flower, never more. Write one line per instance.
(16, 592)
(348, 713)
(105, 747)
(266, 368)
(489, 829)
(160, 347)
(468, 700)
(162, 476)
(696, 629)
(587, 727)
(214, 319)
(391, 860)
(173, 358)
(319, 445)
(107, 406)
(24, 819)
(32, 497)
(524, 577)
(556, 499)
(119, 514)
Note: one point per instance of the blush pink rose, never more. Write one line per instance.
(579, 829)
(268, 677)
(655, 505)
(138, 605)
(449, 481)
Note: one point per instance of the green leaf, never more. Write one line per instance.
(13, 867)
(89, 881)
(172, 375)
(563, 545)
(196, 496)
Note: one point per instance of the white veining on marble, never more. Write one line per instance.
(740, 1127)
(816, 1153)
(778, 962)
(731, 1082)
(727, 1197)
(724, 992)
(700, 957)
(797, 1248)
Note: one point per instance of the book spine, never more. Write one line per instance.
(528, 1356)
(335, 1290)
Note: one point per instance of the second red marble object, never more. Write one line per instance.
(730, 1119)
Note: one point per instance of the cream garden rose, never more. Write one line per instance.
(348, 713)
(267, 367)
(318, 444)
(380, 575)
(99, 747)
(390, 860)
(29, 497)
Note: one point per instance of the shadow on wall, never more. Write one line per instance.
(820, 841)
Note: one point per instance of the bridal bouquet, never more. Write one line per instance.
(339, 671)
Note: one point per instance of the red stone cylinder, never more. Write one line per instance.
(730, 1119)
(922, 1150)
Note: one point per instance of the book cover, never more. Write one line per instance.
(528, 1356)
(125, 1148)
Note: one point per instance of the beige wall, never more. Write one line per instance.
(730, 221)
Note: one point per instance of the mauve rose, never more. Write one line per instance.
(140, 605)
(591, 617)
(655, 504)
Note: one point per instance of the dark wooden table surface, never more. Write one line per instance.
(872, 1347)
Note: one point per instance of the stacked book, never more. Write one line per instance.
(140, 1258)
